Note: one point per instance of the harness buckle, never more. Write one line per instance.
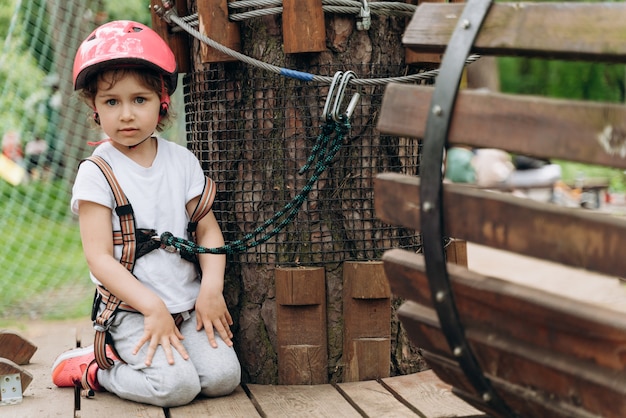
(102, 327)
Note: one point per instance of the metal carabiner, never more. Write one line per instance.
(336, 112)
(331, 91)
(364, 20)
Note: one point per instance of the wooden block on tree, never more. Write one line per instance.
(300, 286)
(16, 348)
(367, 321)
(301, 325)
(213, 22)
(369, 359)
(304, 29)
(302, 364)
(177, 41)
(366, 280)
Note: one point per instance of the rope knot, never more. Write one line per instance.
(167, 239)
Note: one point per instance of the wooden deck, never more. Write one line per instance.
(421, 394)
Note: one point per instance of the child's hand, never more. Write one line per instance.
(160, 329)
(212, 315)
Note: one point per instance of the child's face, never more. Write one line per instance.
(128, 110)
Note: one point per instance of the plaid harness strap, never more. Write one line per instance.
(131, 238)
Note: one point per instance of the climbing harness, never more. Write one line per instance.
(135, 243)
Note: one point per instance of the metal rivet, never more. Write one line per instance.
(437, 110)
(427, 206)
(487, 397)
(457, 351)
(440, 296)
(466, 24)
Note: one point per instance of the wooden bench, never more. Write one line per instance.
(507, 348)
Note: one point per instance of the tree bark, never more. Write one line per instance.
(253, 130)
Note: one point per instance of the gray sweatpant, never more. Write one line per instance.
(210, 371)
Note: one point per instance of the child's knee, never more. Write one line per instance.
(176, 389)
(222, 382)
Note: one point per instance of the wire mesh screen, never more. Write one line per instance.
(43, 133)
(253, 137)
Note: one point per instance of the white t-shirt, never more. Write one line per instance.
(158, 195)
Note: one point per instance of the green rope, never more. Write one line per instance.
(323, 151)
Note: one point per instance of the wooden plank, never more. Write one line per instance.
(536, 382)
(107, 404)
(213, 22)
(373, 400)
(177, 41)
(301, 401)
(576, 237)
(235, 405)
(593, 133)
(304, 28)
(15, 347)
(563, 30)
(430, 396)
(583, 331)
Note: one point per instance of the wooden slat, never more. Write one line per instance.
(106, 404)
(533, 381)
(301, 401)
(582, 331)
(373, 400)
(15, 347)
(430, 396)
(235, 405)
(577, 237)
(587, 132)
(564, 30)
(517, 338)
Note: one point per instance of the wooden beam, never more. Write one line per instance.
(568, 30)
(15, 347)
(213, 22)
(367, 321)
(522, 373)
(304, 29)
(589, 333)
(576, 237)
(586, 132)
(177, 41)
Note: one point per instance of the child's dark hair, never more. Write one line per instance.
(149, 78)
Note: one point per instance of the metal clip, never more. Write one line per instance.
(364, 20)
(338, 90)
(165, 11)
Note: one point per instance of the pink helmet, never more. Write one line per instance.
(127, 43)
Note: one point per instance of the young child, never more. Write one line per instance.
(126, 74)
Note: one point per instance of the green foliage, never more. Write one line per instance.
(137, 10)
(563, 79)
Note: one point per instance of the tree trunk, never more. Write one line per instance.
(253, 130)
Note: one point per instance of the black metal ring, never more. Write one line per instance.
(431, 193)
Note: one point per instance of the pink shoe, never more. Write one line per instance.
(76, 367)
